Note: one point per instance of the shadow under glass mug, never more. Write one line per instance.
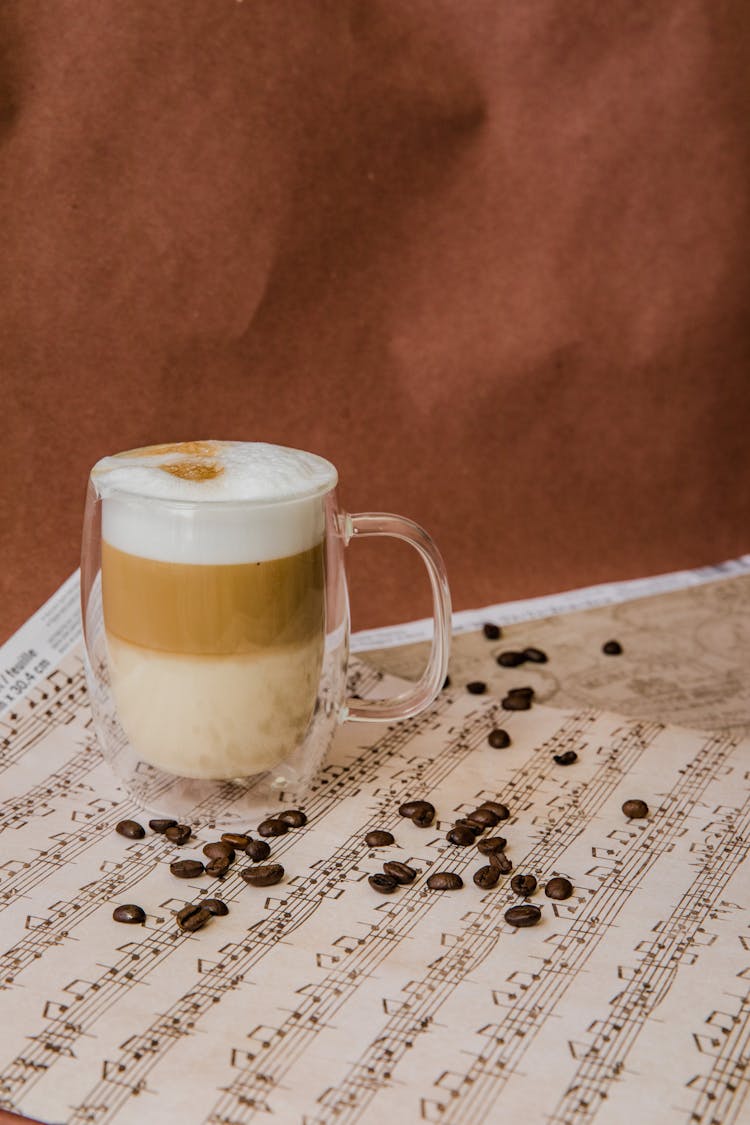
(216, 621)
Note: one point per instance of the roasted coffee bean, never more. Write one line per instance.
(379, 839)
(516, 703)
(384, 884)
(535, 655)
(258, 850)
(409, 808)
(295, 818)
(446, 682)
(219, 848)
(476, 687)
(523, 884)
(460, 835)
(161, 825)
(218, 866)
(272, 826)
(491, 844)
(612, 648)
(264, 876)
(129, 913)
(527, 691)
(635, 809)
(500, 861)
(498, 739)
(424, 815)
(510, 659)
(566, 758)
(215, 906)
(445, 881)
(179, 834)
(559, 888)
(502, 812)
(485, 817)
(130, 829)
(193, 917)
(526, 915)
(486, 877)
(235, 840)
(492, 632)
(473, 825)
(187, 868)
(401, 872)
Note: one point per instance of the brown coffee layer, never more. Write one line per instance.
(214, 610)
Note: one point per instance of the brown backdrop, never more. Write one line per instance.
(490, 258)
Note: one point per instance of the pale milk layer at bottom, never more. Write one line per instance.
(215, 717)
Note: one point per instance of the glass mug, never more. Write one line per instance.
(216, 621)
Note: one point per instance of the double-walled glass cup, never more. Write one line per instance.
(216, 624)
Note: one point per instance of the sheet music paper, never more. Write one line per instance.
(318, 1000)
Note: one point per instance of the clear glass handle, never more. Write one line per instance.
(426, 689)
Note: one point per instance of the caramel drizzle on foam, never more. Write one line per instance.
(197, 464)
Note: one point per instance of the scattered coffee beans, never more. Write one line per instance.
(526, 915)
(566, 758)
(192, 918)
(500, 861)
(612, 648)
(535, 655)
(215, 906)
(486, 877)
(476, 687)
(502, 812)
(295, 818)
(461, 835)
(131, 829)
(379, 839)
(409, 808)
(516, 703)
(263, 876)
(445, 881)
(258, 850)
(218, 867)
(498, 739)
(187, 868)
(219, 848)
(179, 833)
(523, 885)
(129, 913)
(491, 844)
(272, 826)
(510, 659)
(559, 888)
(401, 872)
(473, 825)
(492, 632)
(424, 816)
(161, 825)
(485, 817)
(635, 809)
(384, 884)
(235, 840)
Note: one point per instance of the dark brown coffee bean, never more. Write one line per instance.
(187, 868)
(263, 876)
(131, 829)
(510, 659)
(446, 682)
(521, 691)
(486, 877)
(161, 825)
(129, 913)
(445, 881)
(219, 848)
(460, 835)
(492, 632)
(409, 808)
(476, 687)
(498, 739)
(379, 839)
(258, 850)
(502, 812)
(535, 655)
(384, 884)
(401, 872)
(423, 818)
(215, 906)
(272, 826)
(500, 861)
(567, 758)
(612, 648)
(473, 825)
(559, 888)
(635, 809)
(295, 818)
(235, 840)
(516, 703)
(179, 833)
(523, 884)
(526, 915)
(218, 866)
(491, 844)
(193, 917)
(485, 817)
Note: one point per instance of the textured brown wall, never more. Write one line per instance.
(490, 258)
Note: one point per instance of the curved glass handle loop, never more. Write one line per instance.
(421, 695)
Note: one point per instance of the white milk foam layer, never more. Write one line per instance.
(263, 501)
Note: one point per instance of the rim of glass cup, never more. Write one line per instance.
(172, 502)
